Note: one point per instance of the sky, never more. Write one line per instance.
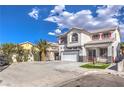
(30, 23)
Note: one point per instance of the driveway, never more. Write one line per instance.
(3, 67)
(96, 80)
(56, 74)
(36, 74)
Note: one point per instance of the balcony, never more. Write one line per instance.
(101, 36)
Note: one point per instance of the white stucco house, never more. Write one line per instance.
(80, 45)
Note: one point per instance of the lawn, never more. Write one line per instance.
(95, 66)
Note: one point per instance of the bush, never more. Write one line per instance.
(36, 56)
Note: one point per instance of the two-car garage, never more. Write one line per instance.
(70, 56)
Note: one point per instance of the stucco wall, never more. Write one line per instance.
(50, 55)
(120, 66)
(110, 50)
(82, 38)
(85, 38)
(116, 43)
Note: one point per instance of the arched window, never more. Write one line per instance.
(74, 37)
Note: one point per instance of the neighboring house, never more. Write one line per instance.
(80, 45)
(28, 46)
(53, 51)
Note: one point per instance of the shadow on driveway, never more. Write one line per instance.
(4, 67)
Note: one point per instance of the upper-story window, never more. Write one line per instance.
(74, 37)
(63, 40)
(96, 36)
(106, 35)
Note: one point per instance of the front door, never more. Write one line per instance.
(91, 55)
(56, 56)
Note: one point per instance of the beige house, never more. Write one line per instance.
(53, 52)
(28, 46)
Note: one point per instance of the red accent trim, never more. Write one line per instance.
(101, 35)
(113, 59)
(110, 34)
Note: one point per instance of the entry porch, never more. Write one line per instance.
(100, 53)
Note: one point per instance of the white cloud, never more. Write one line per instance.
(34, 13)
(106, 17)
(58, 9)
(52, 19)
(51, 33)
(109, 10)
(56, 32)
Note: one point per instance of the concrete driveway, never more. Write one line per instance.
(36, 74)
(57, 74)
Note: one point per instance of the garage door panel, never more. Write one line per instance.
(69, 56)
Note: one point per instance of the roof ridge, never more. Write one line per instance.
(26, 42)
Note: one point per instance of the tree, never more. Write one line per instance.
(20, 53)
(122, 45)
(8, 50)
(122, 48)
(35, 51)
(42, 45)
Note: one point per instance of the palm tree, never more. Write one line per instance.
(35, 51)
(42, 45)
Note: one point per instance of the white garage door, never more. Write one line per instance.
(70, 56)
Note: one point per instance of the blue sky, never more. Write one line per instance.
(31, 23)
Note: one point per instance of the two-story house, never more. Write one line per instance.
(80, 45)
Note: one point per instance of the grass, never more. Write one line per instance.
(95, 66)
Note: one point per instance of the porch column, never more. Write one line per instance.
(109, 53)
(97, 54)
(82, 55)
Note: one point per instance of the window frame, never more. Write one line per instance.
(106, 35)
(95, 36)
(74, 35)
(103, 52)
